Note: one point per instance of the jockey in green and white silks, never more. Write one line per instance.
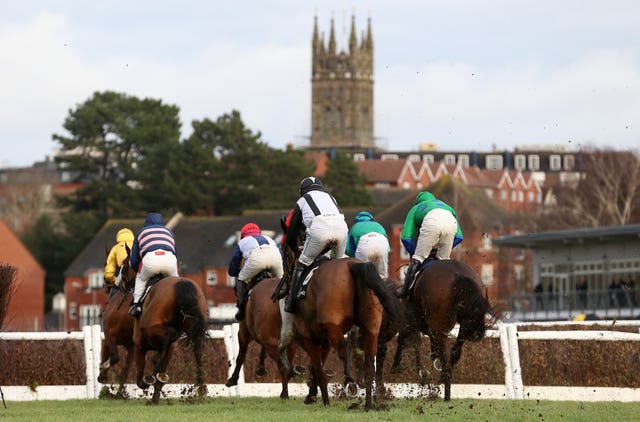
(368, 242)
(430, 224)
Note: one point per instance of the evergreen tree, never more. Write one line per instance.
(118, 144)
(345, 183)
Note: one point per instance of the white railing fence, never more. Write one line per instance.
(507, 334)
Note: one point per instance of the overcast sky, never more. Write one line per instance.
(466, 75)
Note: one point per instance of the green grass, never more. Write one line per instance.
(274, 409)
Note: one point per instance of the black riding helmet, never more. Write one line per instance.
(309, 184)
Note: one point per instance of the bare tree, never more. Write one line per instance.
(608, 193)
(7, 288)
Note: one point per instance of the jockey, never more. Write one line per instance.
(317, 213)
(117, 255)
(368, 242)
(153, 252)
(435, 225)
(260, 253)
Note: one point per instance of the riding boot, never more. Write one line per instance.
(295, 289)
(135, 310)
(281, 292)
(241, 293)
(414, 264)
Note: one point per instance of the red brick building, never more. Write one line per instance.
(26, 307)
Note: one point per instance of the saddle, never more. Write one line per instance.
(152, 282)
(258, 278)
(307, 273)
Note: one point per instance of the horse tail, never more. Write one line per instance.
(188, 309)
(366, 274)
(473, 307)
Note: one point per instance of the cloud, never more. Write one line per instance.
(461, 105)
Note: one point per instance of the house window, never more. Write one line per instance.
(406, 185)
(489, 193)
(487, 274)
(520, 196)
(358, 156)
(555, 163)
(212, 278)
(449, 159)
(73, 311)
(534, 162)
(486, 241)
(569, 162)
(531, 197)
(428, 158)
(90, 315)
(96, 279)
(520, 162)
(494, 162)
(463, 160)
(518, 272)
(504, 195)
(513, 196)
(389, 157)
(413, 157)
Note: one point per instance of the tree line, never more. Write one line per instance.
(130, 157)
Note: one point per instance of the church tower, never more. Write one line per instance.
(342, 91)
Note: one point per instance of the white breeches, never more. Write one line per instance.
(264, 257)
(154, 262)
(438, 229)
(325, 229)
(374, 247)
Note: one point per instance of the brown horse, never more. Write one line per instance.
(341, 293)
(117, 325)
(262, 324)
(174, 307)
(448, 292)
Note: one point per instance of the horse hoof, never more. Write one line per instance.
(351, 389)
(309, 400)
(162, 377)
(261, 371)
(231, 382)
(284, 396)
(148, 380)
(105, 365)
(330, 373)
(300, 369)
(437, 364)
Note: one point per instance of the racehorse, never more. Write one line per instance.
(341, 292)
(447, 292)
(174, 307)
(262, 324)
(118, 326)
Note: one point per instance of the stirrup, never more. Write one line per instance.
(135, 310)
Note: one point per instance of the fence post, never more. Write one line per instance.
(88, 359)
(516, 370)
(96, 336)
(506, 351)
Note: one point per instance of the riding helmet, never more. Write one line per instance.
(249, 229)
(309, 184)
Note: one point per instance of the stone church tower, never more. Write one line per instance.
(342, 91)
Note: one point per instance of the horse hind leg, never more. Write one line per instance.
(261, 369)
(125, 372)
